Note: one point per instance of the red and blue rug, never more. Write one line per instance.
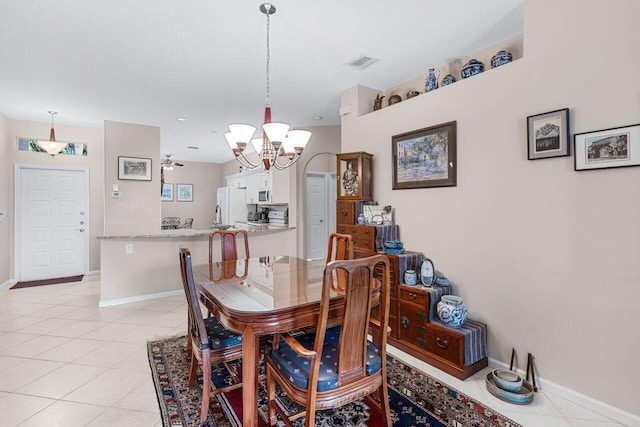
(417, 399)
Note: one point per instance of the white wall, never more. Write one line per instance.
(5, 171)
(137, 211)
(546, 256)
(205, 178)
(94, 161)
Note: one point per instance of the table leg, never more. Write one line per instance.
(250, 352)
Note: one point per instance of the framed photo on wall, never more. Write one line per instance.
(548, 135)
(185, 192)
(134, 168)
(607, 148)
(167, 193)
(425, 157)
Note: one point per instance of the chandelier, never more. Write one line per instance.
(278, 139)
(51, 146)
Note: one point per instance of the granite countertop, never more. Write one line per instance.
(186, 232)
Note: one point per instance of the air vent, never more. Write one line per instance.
(362, 61)
(191, 147)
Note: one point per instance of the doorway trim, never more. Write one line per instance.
(17, 209)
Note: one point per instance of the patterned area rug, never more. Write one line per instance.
(417, 399)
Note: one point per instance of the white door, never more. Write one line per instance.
(317, 231)
(52, 222)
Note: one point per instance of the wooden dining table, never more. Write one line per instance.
(261, 296)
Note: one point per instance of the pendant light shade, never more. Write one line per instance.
(52, 147)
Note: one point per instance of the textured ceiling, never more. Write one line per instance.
(150, 62)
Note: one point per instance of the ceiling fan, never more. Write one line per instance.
(168, 164)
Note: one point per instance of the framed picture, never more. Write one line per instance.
(548, 135)
(167, 193)
(607, 148)
(185, 192)
(425, 157)
(134, 168)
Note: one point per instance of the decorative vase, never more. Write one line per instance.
(501, 58)
(472, 68)
(410, 277)
(394, 99)
(447, 80)
(431, 82)
(452, 311)
(361, 219)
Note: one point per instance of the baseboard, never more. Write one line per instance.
(93, 273)
(9, 283)
(112, 302)
(617, 414)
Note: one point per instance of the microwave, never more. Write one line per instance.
(264, 195)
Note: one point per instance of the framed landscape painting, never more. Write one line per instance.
(548, 135)
(185, 192)
(167, 193)
(425, 157)
(607, 148)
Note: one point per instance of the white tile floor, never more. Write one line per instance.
(66, 362)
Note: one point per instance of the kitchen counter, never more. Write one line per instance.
(187, 232)
(138, 267)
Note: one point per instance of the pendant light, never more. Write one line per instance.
(51, 146)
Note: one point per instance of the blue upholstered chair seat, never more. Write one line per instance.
(296, 368)
(219, 336)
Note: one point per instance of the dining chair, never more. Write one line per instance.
(210, 342)
(188, 223)
(331, 367)
(228, 244)
(340, 248)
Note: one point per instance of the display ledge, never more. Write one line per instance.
(182, 233)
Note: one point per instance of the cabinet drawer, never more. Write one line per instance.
(412, 327)
(446, 344)
(414, 296)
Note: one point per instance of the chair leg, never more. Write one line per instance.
(271, 397)
(194, 368)
(206, 386)
(384, 403)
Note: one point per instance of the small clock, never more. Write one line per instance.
(427, 272)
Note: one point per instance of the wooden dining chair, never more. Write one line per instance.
(334, 366)
(340, 248)
(209, 341)
(228, 244)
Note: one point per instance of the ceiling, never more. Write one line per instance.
(152, 61)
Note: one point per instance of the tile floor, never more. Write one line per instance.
(66, 362)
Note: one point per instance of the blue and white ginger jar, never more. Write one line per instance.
(452, 311)
(447, 80)
(501, 58)
(472, 68)
(410, 277)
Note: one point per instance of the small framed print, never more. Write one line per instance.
(548, 135)
(607, 148)
(185, 192)
(134, 168)
(167, 193)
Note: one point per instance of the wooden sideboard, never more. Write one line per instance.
(413, 323)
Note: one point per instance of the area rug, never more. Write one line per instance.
(32, 283)
(417, 399)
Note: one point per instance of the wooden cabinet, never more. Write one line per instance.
(355, 176)
(346, 212)
(363, 238)
(436, 344)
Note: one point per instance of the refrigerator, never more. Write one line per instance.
(233, 204)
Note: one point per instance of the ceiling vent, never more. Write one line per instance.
(361, 61)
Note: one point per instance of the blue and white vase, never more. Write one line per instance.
(452, 311)
(362, 219)
(410, 277)
(472, 68)
(431, 82)
(501, 58)
(447, 80)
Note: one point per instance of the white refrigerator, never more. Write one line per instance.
(233, 204)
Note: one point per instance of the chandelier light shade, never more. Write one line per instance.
(51, 146)
(278, 139)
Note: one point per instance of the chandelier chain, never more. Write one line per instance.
(268, 77)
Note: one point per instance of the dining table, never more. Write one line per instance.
(261, 296)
